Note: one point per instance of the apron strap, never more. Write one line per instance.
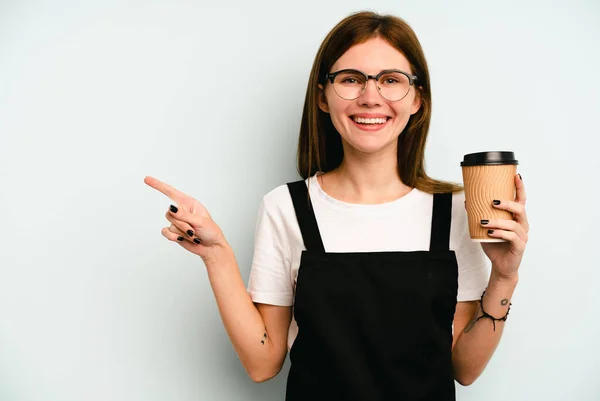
(306, 216)
(440, 222)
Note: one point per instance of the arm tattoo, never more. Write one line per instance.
(473, 320)
(476, 317)
(264, 337)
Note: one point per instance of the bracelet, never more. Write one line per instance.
(487, 315)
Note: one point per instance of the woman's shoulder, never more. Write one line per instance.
(277, 195)
(278, 209)
(459, 213)
(458, 196)
(278, 202)
(458, 205)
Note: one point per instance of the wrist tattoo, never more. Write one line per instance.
(504, 302)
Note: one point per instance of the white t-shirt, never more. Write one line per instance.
(401, 225)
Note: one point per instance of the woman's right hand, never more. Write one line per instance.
(191, 224)
(248, 325)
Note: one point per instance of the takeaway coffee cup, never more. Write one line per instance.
(487, 176)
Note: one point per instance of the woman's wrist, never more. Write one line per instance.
(504, 280)
(497, 298)
(218, 254)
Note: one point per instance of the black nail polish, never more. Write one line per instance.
(190, 233)
(521, 178)
(484, 222)
(173, 209)
(490, 231)
(196, 240)
(180, 238)
(496, 202)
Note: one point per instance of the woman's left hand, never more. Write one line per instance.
(506, 256)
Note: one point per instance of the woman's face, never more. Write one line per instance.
(370, 136)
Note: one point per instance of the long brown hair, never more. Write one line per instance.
(320, 145)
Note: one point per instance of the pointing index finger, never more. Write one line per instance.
(166, 189)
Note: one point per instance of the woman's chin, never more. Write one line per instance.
(370, 145)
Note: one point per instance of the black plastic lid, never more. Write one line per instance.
(488, 158)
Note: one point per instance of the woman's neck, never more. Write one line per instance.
(367, 180)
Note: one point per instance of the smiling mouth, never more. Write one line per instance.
(370, 121)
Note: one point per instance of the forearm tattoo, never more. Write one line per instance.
(473, 320)
(504, 302)
(264, 337)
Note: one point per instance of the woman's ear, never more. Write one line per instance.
(416, 101)
(322, 99)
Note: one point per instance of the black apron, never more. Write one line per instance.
(373, 326)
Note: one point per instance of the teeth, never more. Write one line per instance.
(361, 120)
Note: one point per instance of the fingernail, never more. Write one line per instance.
(496, 202)
(196, 240)
(180, 238)
(521, 178)
(490, 231)
(173, 209)
(485, 222)
(190, 233)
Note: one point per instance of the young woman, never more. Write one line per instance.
(364, 270)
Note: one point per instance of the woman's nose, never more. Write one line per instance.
(370, 96)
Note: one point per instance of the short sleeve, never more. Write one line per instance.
(473, 264)
(270, 281)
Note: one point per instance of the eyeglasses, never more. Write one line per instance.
(392, 85)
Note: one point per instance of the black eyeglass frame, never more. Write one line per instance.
(330, 76)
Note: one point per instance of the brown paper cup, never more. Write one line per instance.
(483, 184)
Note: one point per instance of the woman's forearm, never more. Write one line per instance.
(479, 339)
(242, 320)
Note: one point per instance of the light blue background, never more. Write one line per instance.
(96, 305)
